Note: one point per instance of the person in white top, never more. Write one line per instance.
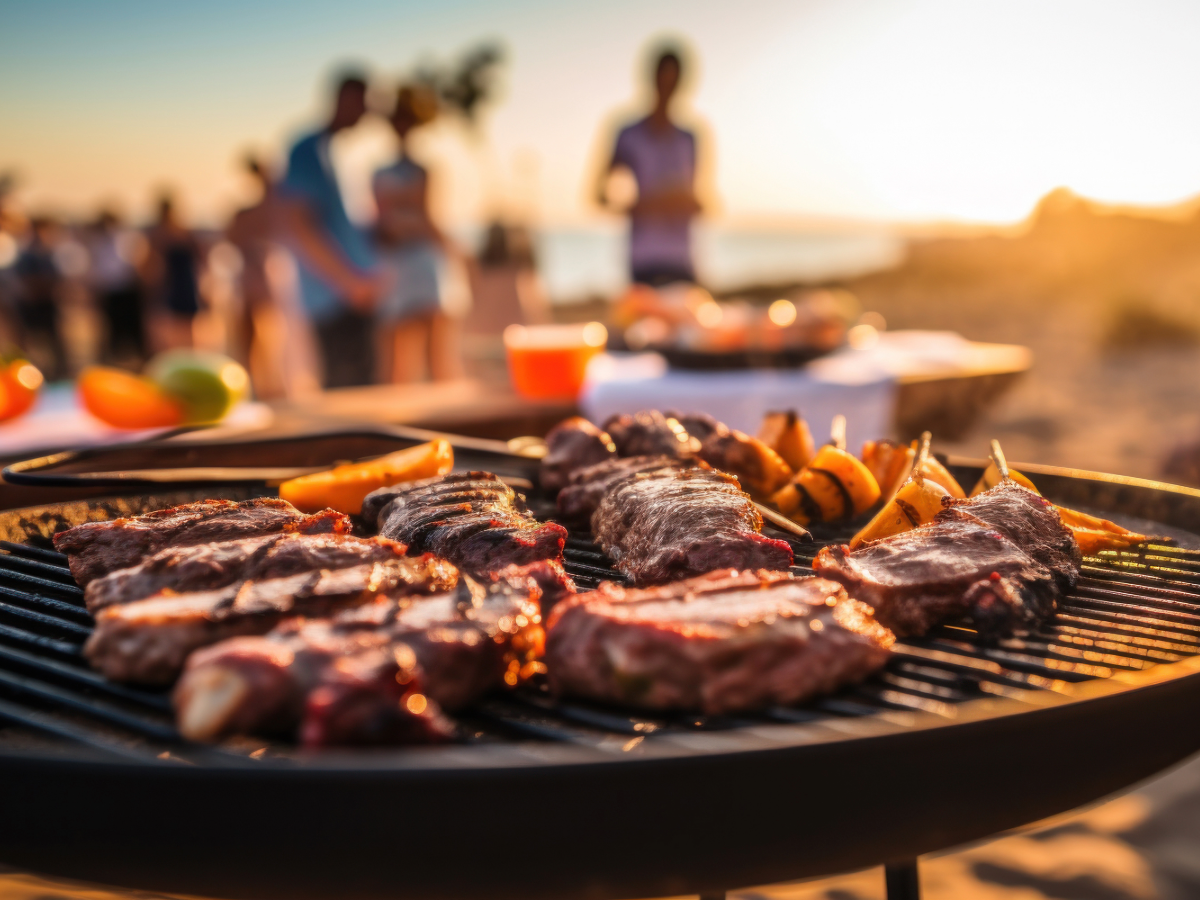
(415, 334)
(661, 156)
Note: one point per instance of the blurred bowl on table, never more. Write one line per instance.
(694, 331)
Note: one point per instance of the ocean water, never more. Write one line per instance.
(580, 263)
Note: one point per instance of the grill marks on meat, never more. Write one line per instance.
(208, 566)
(650, 433)
(1005, 568)
(587, 487)
(472, 519)
(669, 524)
(720, 643)
(147, 641)
(420, 654)
(572, 444)
(97, 548)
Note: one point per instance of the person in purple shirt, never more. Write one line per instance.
(661, 156)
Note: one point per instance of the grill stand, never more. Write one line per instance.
(902, 881)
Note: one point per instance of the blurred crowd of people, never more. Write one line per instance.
(298, 291)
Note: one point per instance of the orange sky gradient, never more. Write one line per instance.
(925, 110)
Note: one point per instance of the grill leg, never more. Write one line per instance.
(903, 881)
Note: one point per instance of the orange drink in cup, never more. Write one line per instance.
(547, 362)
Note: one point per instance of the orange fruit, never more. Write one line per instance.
(127, 401)
(20, 382)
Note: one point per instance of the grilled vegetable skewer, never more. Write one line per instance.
(834, 486)
(917, 501)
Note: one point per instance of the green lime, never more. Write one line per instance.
(207, 384)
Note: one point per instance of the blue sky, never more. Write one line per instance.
(859, 109)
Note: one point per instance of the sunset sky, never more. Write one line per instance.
(896, 110)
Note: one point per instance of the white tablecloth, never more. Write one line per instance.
(859, 383)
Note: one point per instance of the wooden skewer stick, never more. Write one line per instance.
(923, 447)
(837, 432)
(781, 521)
(917, 472)
(999, 459)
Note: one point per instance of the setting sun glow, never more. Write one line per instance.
(916, 111)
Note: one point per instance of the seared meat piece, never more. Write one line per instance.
(311, 682)
(579, 499)
(571, 445)
(760, 469)
(721, 643)
(472, 519)
(650, 433)
(97, 548)
(670, 524)
(1032, 523)
(480, 637)
(461, 644)
(147, 641)
(954, 566)
(701, 426)
(548, 574)
(207, 566)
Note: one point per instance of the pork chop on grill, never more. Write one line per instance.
(572, 444)
(472, 519)
(207, 566)
(650, 433)
(579, 499)
(724, 642)
(147, 641)
(459, 644)
(668, 524)
(96, 548)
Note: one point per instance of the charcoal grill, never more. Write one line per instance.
(952, 742)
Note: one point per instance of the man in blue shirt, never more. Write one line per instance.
(338, 283)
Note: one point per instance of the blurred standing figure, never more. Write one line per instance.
(40, 286)
(117, 289)
(334, 257)
(414, 331)
(661, 156)
(173, 273)
(274, 340)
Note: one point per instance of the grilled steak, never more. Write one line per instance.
(572, 444)
(472, 519)
(650, 433)
(1029, 521)
(207, 566)
(97, 548)
(720, 643)
(952, 567)
(311, 682)
(670, 524)
(461, 644)
(579, 499)
(147, 641)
